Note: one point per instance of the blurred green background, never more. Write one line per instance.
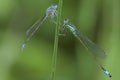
(97, 19)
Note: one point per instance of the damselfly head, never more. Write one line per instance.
(66, 21)
(54, 6)
(51, 11)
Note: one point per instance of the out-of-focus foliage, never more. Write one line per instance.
(97, 19)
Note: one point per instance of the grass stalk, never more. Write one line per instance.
(54, 57)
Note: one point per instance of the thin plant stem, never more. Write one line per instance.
(54, 57)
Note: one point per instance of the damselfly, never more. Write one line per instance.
(50, 12)
(95, 50)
